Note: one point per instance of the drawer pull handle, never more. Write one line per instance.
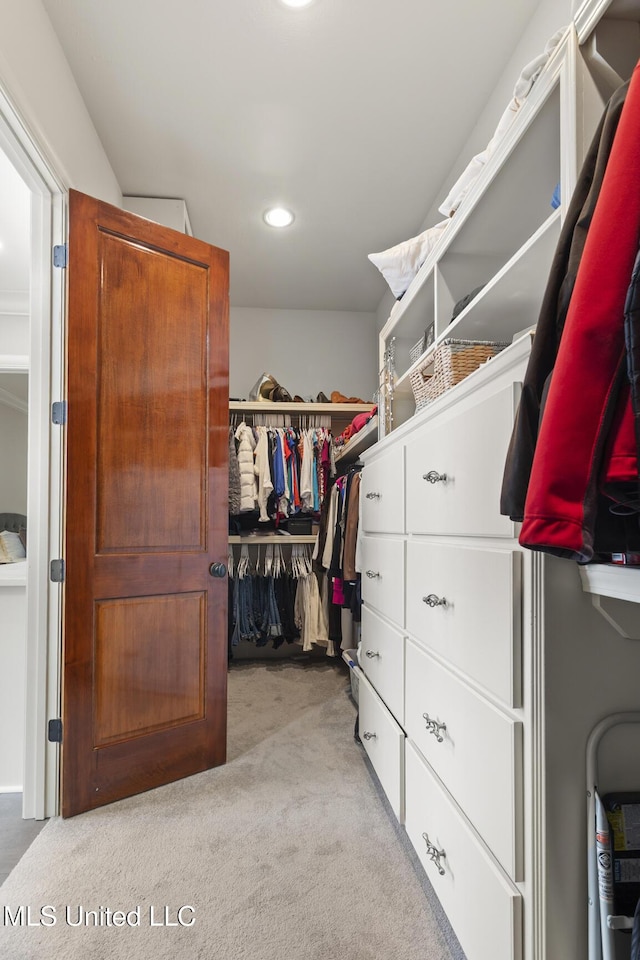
(434, 854)
(434, 477)
(433, 601)
(372, 653)
(369, 736)
(372, 574)
(434, 727)
(373, 496)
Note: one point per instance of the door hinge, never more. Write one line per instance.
(59, 412)
(54, 732)
(56, 571)
(61, 255)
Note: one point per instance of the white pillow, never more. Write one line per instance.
(11, 548)
(399, 264)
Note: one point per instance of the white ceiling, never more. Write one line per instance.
(350, 112)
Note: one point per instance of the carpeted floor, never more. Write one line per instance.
(286, 852)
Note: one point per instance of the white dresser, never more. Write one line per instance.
(482, 677)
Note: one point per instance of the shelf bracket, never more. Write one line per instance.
(622, 615)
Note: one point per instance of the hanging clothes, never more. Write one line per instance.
(310, 615)
(335, 554)
(263, 471)
(283, 470)
(351, 530)
(277, 602)
(553, 311)
(562, 514)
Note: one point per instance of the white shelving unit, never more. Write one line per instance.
(611, 580)
(502, 236)
(569, 653)
(360, 442)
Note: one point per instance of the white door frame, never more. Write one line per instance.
(46, 458)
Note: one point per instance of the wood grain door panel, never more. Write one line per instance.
(145, 647)
(152, 451)
(149, 665)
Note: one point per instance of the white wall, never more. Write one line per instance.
(14, 335)
(13, 604)
(13, 462)
(12, 681)
(305, 350)
(37, 78)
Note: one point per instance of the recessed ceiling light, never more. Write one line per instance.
(297, 3)
(278, 217)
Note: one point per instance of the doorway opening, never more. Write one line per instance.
(15, 270)
(32, 219)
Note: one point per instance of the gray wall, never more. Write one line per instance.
(305, 350)
(13, 462)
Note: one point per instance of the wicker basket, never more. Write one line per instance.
(416, 350)
(453, 360)
(423, 344)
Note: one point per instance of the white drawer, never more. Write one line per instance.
(383, 740)
(483, 907)
(383, 576)
(473, 747)
(382, 659)
(382, 493)
(477, 627)
(469, 450)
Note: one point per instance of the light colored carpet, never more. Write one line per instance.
(286, 852)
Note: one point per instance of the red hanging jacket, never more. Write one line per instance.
(582, 441)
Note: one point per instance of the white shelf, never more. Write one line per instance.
(270, 406)
(259, 539)
(511, 299)
(484, 229)
(360, 442)
(13, 574)
(507, 304)
(611, 580)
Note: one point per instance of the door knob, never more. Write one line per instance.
(218, 569)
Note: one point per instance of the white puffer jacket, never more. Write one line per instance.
(248, 485)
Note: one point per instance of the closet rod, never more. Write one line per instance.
(273, 538)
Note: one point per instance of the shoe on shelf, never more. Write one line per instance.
(263, 387)
(337, 397)
(280, 394)
(322, 398)
(298, 398)
(267, 388)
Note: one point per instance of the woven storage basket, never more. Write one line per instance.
(453, 360)
(423, 344)
(416, 350)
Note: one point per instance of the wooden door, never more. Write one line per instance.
(145, 623)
